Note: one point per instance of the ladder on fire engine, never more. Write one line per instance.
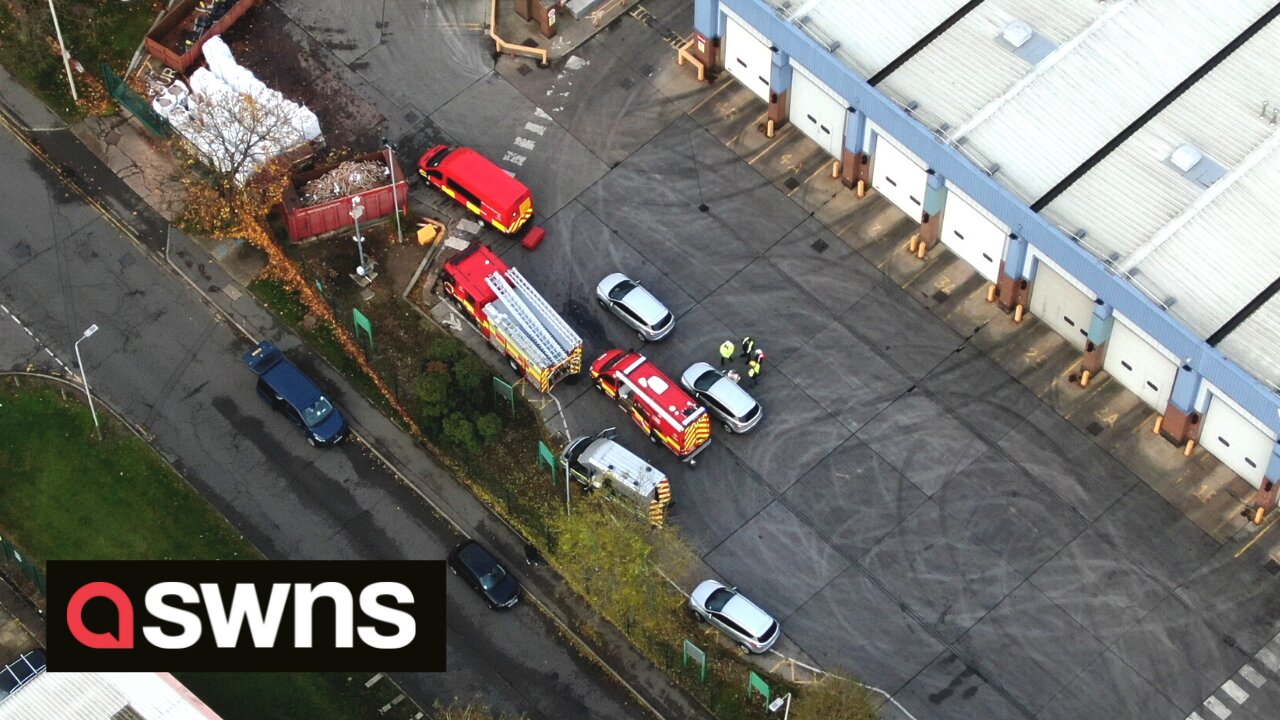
(529, 326)
(552, 317)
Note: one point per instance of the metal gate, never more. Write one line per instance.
(134, 103)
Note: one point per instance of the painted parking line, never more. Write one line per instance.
(1253, 676)
(1194, 716)
(1217, 708)
(1236, 692)
(1269, 659)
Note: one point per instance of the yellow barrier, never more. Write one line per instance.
(683, 54)
(504, 46)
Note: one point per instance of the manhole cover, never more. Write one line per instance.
(941, 296)
(411, 117)
(22, 250)
(703, 207)
(232, 292)
(1272, 566)
(87, 253)
(524, 69)
(792, 183)
(820, 246)
(127, 260)
(627, 83)
(646, 70)
(1094, 428)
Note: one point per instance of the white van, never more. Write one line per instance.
(599, 462)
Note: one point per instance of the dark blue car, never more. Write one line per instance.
(288, 390)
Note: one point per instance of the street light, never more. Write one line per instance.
(777, 703)
(395, 200)
(357, 210)
(66, 55)
(85, 378)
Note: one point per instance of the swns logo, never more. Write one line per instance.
(244, 615)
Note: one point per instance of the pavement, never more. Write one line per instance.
(929, 504)
(170, 362)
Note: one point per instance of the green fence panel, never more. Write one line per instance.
(135, 103)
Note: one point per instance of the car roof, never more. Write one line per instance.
(283, 376)
(481, 174)
(747, 614)
(728, 392)
(649, 308)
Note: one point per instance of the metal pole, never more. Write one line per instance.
(66, 56)
(84, 377)
(357, 209)
(395, 200)
(567, 511)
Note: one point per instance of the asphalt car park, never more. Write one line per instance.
(906, 509)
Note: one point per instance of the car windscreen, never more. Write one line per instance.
(718, 599)
(315, 413)
(620, 290)
(490, 579)
(706, 380)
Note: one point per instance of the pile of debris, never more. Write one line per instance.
(349, 178)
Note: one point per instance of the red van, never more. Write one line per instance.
(473, 180)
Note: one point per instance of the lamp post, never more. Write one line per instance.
(357, 210)
(777, 703)
(395, 199)
(66, 55)
(84, 377)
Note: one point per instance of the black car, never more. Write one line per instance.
(485, 575)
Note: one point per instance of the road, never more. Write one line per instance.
(164, 359)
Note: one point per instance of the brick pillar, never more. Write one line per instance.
(854, 163)
(707, 50)
(1266, 496)
(1095, 348)
(1011, 288)
(935, 199)
(1181, 422)
(778, 108)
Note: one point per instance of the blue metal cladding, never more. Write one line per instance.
(855, 130)
(935, 193)
(1242, 387)
(1273, 466)
(780, 78)
(1100, 324)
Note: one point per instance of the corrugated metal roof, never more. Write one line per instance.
(970, 64)
(99, 696)
(1091, 87)
(1255, 345)
(867, 34)
(1135, 193)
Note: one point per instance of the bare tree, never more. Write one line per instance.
(236, 133)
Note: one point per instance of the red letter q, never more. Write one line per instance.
(123, 639)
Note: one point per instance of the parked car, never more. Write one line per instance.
(636, 306)
(287, 389)
(723, 397)
(753, 629)
(482, 571)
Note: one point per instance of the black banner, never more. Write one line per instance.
(257, 616)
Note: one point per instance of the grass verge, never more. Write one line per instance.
(96, 31)
(68, 495)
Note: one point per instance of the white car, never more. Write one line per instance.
(636, 306)
(723, 397)
(753, 629)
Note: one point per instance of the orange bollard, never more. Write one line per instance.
(835, 169)
(768, 128)
(922, 250)
(913, 244)
(1084, 378)
(1189, 448)
(862, 189)
(1159, 424)
(1017, 313)
(991, 293)
(1258, 515)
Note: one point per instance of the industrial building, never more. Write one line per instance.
(1110, 166)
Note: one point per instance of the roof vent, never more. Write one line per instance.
(657, 385)
(1017, 33)
(1186, 157)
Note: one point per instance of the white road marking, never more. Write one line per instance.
(1194, 716)
(1253, 676)
(541, 113)
(513, 158)
(574, 62)
(525, 143)
(1268, 658)
(535, 128)
(1236, 692)
(1217, 708)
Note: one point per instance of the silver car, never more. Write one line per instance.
(723, 397)
(724, 607)
(637, 307)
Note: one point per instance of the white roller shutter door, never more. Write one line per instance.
(898, 177)
(1139, 365)
(748, 57)
(972, 235)
(818, 112)
(1060, 304)
(1233, 438)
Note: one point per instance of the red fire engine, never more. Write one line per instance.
(658, 405)
(537, 342)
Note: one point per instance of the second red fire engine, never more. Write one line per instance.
(659, 406)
